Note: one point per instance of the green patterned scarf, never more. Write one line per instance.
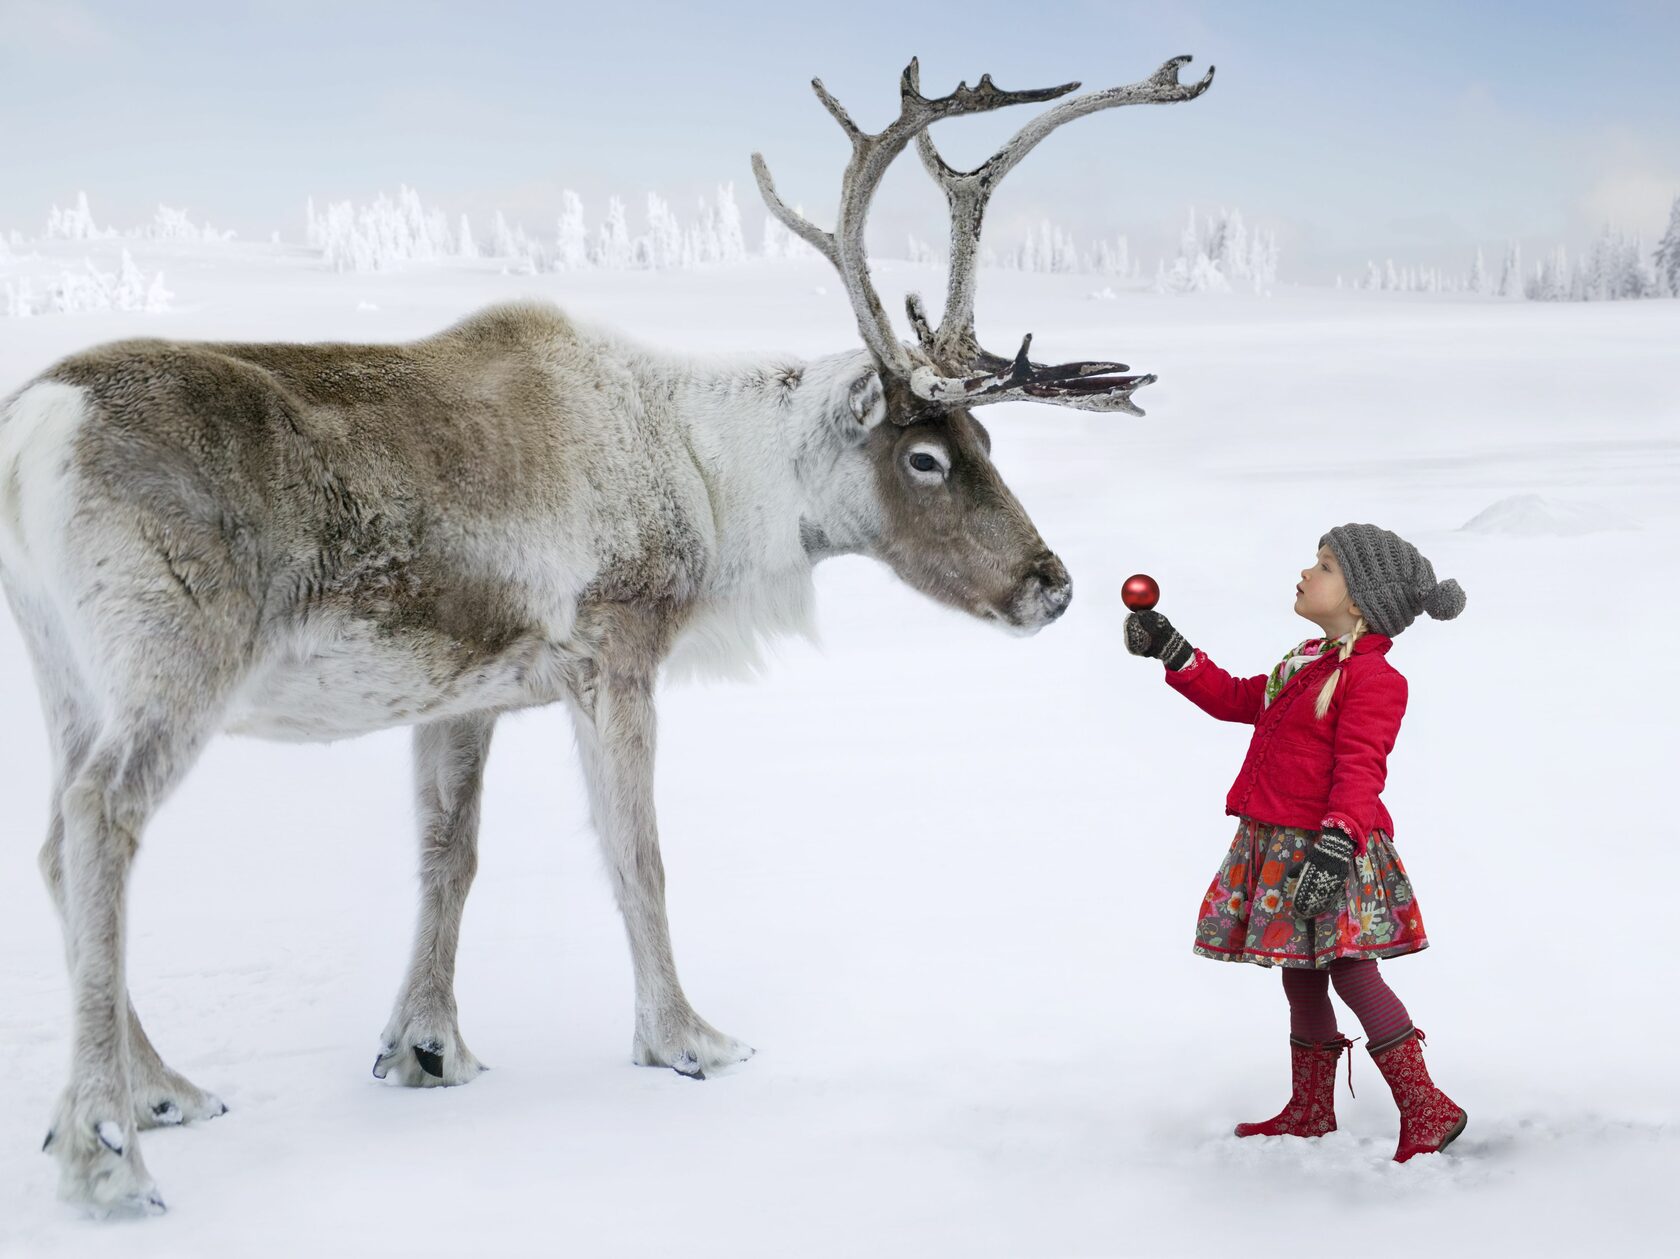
(1302, 655)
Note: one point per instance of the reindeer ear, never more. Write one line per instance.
(868, 401)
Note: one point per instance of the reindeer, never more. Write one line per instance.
(310, 542)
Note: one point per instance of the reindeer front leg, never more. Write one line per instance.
(422, 1044)
(615, 723)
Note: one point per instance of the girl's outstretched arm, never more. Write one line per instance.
(1370, 719)
(1217, 693)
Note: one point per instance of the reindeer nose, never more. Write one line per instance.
(1054, 586)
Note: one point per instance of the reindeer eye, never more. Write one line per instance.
(928, 463)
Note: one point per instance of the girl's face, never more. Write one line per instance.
(1322, 596)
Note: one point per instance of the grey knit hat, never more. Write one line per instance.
(1390, 579)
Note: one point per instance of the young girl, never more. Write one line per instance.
(1312, 883)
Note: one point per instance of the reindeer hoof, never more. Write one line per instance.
(168, 1113)
(180, 1106)
(430, 1057)
(689, 1046)
(95, 1139)
(166, 1099)
(143, 1203)
(688, 1064)
(426, 1061)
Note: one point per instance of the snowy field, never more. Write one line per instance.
(942, 879)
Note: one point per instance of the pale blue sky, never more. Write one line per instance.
(1414, 130)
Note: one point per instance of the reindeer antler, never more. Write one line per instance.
(871, 155)
(1089, 386)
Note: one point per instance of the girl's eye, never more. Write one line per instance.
(923, 462)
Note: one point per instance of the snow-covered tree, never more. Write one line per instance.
(1634, 279)
(663, 245)
(1596, 276)
(732, 245)
(172, 224)
(90, 289)
(1666, 261)
(1613, 269)
(465, 246)
(1510, 272)
(1218, 253)
(1228, 246)
(503, 241)
(73, 224)
(1551, 281)
(572, 243)
(614, 251)
(1191, 275)
(158, 298)
(511, 243)
(17, 301)
(1056, 250)
(1064, 254)
(376, 237)
(1051, 248)
(1112, 258)
(1478, 282)
(703, 242)
(131, 286)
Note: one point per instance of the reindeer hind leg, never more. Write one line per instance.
(164, 675)
(162, 1096)
(137, 758)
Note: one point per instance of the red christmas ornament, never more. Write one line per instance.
(1140, 593)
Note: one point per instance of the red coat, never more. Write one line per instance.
(1301, 771)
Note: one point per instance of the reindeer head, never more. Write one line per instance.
(943, 518)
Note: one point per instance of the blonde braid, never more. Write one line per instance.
(1329, 687)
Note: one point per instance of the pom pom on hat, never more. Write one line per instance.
(1445, 601)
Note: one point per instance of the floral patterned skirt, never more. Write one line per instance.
(1248, 912)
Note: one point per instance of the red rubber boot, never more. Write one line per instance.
(1429, 1119)
(1311, 1109)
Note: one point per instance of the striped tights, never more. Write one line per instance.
(1311, 1016)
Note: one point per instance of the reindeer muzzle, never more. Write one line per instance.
(1041, 595)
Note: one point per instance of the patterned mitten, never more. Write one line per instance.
(1323, 873)
(1151, 634)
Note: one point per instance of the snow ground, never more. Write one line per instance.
(942, 879)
